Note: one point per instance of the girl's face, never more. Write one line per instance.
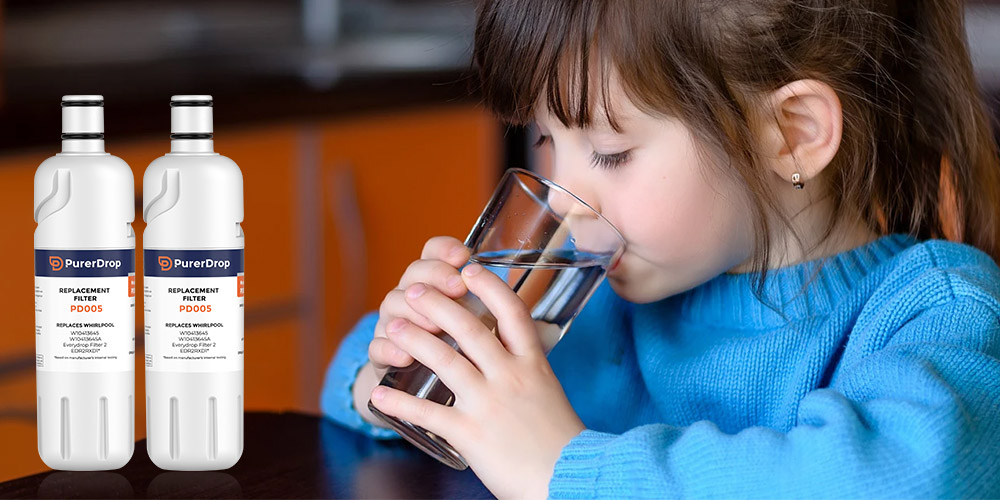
(683, 223)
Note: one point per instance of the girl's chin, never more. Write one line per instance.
(618, 279)
(624, 288)
(628, 280)
(638, 289)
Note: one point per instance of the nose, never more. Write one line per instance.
(576, 184)
(587, 232)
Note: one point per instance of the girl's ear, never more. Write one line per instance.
(802, 129)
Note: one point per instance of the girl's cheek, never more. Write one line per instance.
(671, 220)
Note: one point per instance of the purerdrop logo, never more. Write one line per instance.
(193, 263)
(58, 263)
(84, 263)
(203, 264)
(167, 264)
(89, 264)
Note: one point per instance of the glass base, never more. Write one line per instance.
(427, 441)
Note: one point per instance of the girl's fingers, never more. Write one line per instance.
(437, 273)
(479, 343)
(439, 419)
(450, 366)
(394, 306)
(516, 328)
(439, 269)
(383, 353)
(447, 249)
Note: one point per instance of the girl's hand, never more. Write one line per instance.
(511, 418)
(438, 266)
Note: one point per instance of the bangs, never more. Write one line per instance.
(566, 55)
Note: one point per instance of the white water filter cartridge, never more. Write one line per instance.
(193, 297)
(84, 297)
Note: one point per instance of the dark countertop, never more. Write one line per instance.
(286, 455)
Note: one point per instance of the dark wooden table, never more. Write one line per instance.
(286, 455)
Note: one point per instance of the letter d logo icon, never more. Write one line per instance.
(56, 262)
(166, 263)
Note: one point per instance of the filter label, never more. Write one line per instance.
(85, 310)
(193, 305)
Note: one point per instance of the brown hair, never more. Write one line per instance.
(916, 156)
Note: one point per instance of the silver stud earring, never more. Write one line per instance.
(797, 181)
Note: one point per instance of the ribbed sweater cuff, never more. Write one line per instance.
(337, 400)
(578, 468)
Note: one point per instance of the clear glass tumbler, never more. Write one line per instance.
(551, 248)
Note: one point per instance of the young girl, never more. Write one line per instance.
(788, 319)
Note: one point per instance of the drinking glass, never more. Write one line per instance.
(551, 248)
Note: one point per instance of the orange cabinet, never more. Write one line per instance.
(17, 278)
(387, 184)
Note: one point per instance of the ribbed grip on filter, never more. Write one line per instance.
(82, 117)
(191, 117)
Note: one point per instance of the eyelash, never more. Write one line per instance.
(609, 162)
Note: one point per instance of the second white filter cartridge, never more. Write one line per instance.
(193, 297)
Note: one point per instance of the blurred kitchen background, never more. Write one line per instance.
(356, 125)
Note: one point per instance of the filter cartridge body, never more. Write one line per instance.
(193, 298)
(84, 265)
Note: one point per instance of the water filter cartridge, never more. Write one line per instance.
(84, 297)
(193, 297)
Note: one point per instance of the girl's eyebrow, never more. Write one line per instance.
(601, 123)
(600, 119)
(622, 115)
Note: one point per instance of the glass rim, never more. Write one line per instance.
(552, 185)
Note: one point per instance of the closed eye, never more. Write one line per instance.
(611, 161)
(605, 161)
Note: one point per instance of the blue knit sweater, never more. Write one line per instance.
(881, 379)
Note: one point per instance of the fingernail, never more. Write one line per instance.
(416, 291)
(472, 269)
(379, 393)
(455, 250)
(395, 325)
(454, 281)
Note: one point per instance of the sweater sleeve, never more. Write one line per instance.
(915, 418)
(336, 399)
